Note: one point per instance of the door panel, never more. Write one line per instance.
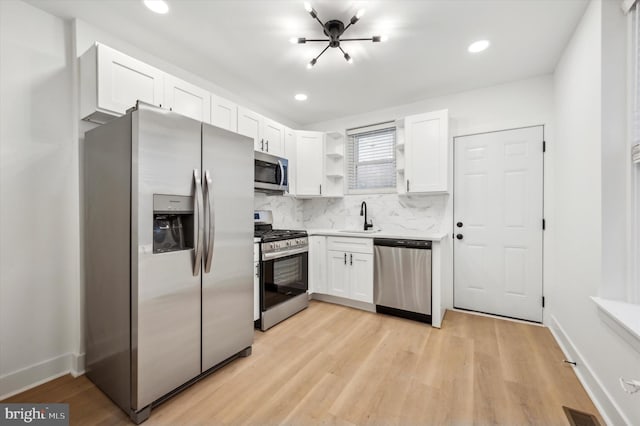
(165, 293)
(361, 277)
(227, 289)
(187, 99)
(249, 125)
(498, 200)
(338, 274)
(310, 164)
(224, 113)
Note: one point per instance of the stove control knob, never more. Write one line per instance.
(289, 243)
(271, 246)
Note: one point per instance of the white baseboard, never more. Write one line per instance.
(601, 398)
(37, 374)
(344, 302)
(77, 364)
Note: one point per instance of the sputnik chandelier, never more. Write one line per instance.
(334, 29)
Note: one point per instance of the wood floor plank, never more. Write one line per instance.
(335, 365)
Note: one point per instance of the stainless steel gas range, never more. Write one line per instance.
(284, 271)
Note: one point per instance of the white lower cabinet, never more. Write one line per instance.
(350, 271)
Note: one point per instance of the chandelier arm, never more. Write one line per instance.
(319, 21)
(317, 39)
(325, 49)
(345, 28)
(356, 39)
(340, 47)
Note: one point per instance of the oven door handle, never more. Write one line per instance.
(278, 255)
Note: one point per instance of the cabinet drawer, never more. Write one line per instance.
(350, 244)
(256, 252)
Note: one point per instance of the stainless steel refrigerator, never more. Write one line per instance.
(169, 254)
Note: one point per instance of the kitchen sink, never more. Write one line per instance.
(359, 231)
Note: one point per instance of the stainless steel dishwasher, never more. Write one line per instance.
(402, 278)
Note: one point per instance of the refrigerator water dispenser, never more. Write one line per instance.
(172, 223)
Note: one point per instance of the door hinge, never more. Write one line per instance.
(544, 224)
(543, 301)
(544, 146)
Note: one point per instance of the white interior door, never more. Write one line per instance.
(498, 213)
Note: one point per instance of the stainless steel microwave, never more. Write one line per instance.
(271, 173)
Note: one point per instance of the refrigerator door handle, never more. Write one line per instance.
(211, 229)
(197, 261)
(281, 172)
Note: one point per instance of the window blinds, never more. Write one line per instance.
(371, 157)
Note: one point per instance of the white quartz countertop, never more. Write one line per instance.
(428, 236)
(256, 240)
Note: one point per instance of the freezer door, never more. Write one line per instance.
(166, 210)
(227, 280)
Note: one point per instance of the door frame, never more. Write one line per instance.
(453, 215)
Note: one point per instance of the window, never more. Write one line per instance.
(371, 159)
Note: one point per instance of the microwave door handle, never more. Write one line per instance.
(281, 173)
(211, 231)
(198, 204)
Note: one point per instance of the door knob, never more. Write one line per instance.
(459, 224)
(459, 236)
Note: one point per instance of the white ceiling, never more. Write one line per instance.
(243, 45)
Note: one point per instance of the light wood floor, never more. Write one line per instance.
(332, 364)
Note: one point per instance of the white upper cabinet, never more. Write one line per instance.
(224, 113)
(272, 134)
(426, 152)
(187, 99)
(309, 164)
(112, 82)
(249, 125)
(290, 154)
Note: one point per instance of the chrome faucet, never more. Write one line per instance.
(363, 212)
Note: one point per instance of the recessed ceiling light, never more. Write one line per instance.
(300, 97)
(478, 46)
(157, 6)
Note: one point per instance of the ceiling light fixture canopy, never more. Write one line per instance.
(334, 29)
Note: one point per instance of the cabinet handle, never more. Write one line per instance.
(407, 185)
(321, 192)
(351, 259)
(258, 270)
(261, 144)
(267, 145)
(345, 258)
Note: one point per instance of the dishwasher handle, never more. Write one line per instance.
(404, 243)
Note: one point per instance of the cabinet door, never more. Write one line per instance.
(187, 99)
(273, 135)
(256, 291)
(361, 277)
(123, 80)
(290, 154)
(310, 164)
(337, 276)
(426, 152)
(224, 113)
(249, 125)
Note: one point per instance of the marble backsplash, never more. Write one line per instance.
(389, 212)
(287, 211)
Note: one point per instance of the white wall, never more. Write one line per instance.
(582, 182)
(522, 103)
(39, 252)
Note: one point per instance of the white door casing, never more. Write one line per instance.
(498, 199)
